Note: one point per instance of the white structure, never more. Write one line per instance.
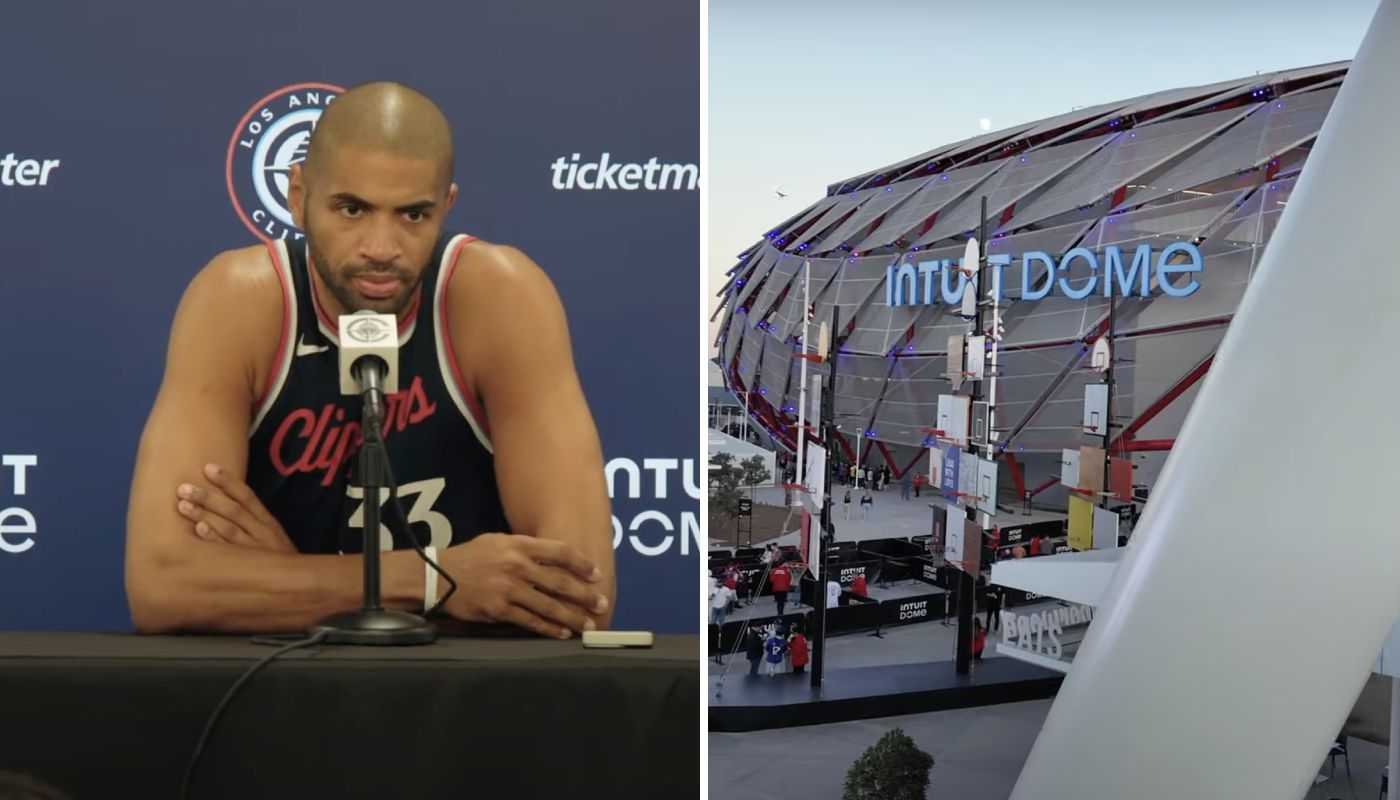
(1186, 685)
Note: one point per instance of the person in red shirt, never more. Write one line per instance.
(1035, 545)
(979, 639)
(858, 586)
(781, 581)
(731, 580)
(797, 645)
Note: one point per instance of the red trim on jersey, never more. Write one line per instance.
(472, 403)
(409, 314)
(284, 343)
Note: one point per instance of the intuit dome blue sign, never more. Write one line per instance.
(1078, 274)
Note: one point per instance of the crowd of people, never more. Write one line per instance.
(731, 587)
(780, 645)
(877, 479)
(777, 648)
(861, 479)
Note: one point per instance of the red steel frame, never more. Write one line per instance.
(1016, 475)
(1124, 442)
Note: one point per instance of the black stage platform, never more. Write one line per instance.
(760, 702)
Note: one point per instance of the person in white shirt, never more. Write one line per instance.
(720, 598)
(833, 593)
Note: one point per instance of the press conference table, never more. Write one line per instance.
(117, 716)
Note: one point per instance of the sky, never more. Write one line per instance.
(804, 93)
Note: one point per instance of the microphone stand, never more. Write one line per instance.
(373, 624)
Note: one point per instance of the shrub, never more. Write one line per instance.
(894, 768)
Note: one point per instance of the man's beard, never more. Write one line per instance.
(339, 283)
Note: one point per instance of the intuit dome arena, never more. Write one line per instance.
(1160, 205)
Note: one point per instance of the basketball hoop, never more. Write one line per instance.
(1102, 356)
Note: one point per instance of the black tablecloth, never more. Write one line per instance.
(116, 716)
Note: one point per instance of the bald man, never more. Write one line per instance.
(240, 517)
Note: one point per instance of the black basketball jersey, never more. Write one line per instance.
(305, 433)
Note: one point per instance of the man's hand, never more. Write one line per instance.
(230, 512)
(540, 585)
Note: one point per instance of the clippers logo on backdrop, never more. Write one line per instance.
(649, 176)
(271, 137)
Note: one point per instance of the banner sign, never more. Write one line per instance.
(928, 282)
(907, 610)
(1013, 535)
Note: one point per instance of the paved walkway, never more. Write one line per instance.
(890, 517)
(978, 754)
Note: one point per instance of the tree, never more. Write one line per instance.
(894, 768)
(752, 472)
(728, 479)
(724, 485)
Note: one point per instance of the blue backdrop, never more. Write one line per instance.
(139, 105)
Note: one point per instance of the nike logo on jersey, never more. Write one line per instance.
(304, 349)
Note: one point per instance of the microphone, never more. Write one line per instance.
(369, 360)
(369, 367)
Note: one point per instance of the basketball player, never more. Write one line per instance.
(240, 516)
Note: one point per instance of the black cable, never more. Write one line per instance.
(375, 436)
(228, 697)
